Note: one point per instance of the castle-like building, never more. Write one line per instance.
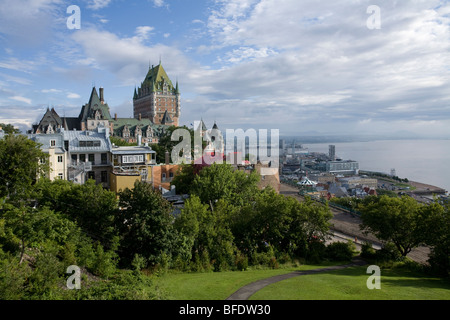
(157, 98)
(156, 107)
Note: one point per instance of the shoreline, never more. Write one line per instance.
(421, 188)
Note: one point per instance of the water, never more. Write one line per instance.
(426, 161)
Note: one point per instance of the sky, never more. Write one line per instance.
(303, 67)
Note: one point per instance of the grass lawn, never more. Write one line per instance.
(350, 284)
(215, 285)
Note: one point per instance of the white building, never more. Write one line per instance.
(88, 155)
(53, 145)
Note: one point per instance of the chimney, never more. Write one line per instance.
(167, 157)
(140, 116)
(139, 140)
(115, 116)
(101, 96)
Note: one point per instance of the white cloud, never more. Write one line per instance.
(158, 3)
(71, 95)
(98, 4)
(28, 23)
(21, 99)
(143, 32)
(126, 58)
(50, 91)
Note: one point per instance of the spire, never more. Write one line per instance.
(135, 94)
(94, 96)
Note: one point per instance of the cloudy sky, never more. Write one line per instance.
(301, 66)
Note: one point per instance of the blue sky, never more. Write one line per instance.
(298, 66)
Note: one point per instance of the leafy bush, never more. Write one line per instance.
(388, 252)
(316, 251)
(367, 251)
(241, 261)
(340, 251)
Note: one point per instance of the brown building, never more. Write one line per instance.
(157, 98)
(163, 175)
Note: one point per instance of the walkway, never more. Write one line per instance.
(247, 291)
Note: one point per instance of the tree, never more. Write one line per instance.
(91, 206)
(9, 129)
(21, 163)
(184, 178)
(398, 220)
(145, 223)
(283, 222)
(26, 227)
(166, 144)
(220, 181)
(438, 237)
(208, 231)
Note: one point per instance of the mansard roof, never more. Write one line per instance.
(133, 123)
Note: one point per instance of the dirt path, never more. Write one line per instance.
(247, 291)
(348, 224)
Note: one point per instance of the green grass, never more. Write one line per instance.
(350, 284)
(345, 284)
(215, 285)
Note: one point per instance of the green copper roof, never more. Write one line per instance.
(154, 79)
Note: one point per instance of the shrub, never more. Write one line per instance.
(273, 263)
(241, 261)
(316, 252)
(388, 252)
(367, 251)
(340, 251)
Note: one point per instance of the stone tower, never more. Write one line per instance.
(157, 98)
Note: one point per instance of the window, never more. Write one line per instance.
(171, 175)
(52, 143)
(104, 176)
(82, 158)
(104, 158)
(163, 177)
(60, 159)
(91, 175)
(133, 159)
(66, 145)
(60, 176)
(92, 158)
(89, 144)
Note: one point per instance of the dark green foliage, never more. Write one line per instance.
(145, 224)
(90, 206)
(184, 178)
(21, 163)
(340, 251)
(316, 251)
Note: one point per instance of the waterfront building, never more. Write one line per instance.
(332, 152)
(343, 167)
